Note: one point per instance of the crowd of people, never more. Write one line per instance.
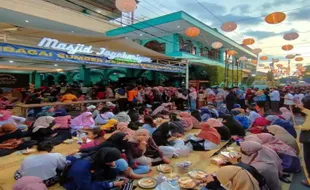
(148, 126)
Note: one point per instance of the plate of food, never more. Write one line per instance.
(28, 151)
(147, 183)
(187, 183)
(197, 174)
(165, 168)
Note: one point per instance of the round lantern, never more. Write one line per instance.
(257, 50)
(231, 52)
(299, 59)
(216, 45)
(291, 56)
(243, 58)
(192, 32)
(248, 41)
(279, 65)
(275, 60)
(261, 65)
(266, 67)
(254, 61)
(298, 64)
(126, 6)
(275, 18)
(229, 26)
(287, 47)
(263, 58)
(291, 36)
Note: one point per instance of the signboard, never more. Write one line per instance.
(10, 50)
(82, 49)
(14, 80)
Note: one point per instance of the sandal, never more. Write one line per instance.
(285, 180)
(305, 183)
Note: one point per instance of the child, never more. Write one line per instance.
(95, 135)
(149, 124)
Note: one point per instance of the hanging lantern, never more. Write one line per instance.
(287, 47)
(299, 59)
(126, 6)
(243, 58)
(275, 18)
(216, 45)
(248, 41)
(257, 50)
(275, 60)
(279, 65)
(231, 52)
(291, 36)
(192, 32)
(261, 65)
(254, 61)
(229, 26)
(298, 64)
(266, 67)
(290, 56)
(263, 58)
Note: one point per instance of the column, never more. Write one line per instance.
(85, 75)
(221, 54)
(37, 79)
(187, 75)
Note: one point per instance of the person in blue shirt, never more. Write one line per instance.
(92, 175)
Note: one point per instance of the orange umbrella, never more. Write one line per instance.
(248, 41)
(192, 31)
(263, 58)
(275, 18)
(287, 47)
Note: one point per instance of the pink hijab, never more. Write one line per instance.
(83, 120)
(214, 123)
(275, 144)
(186, 116)
(258, 155)
(29, 183)
(209, 133)
(5, 115)
(123, 127)
(286, 114)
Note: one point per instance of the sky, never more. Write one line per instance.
(249, 16)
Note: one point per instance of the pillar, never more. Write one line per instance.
(221, 54)
(187, 75)
(37, 79)
(85, 75)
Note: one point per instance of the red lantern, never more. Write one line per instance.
(192, 32)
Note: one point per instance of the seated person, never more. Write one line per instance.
(110, 126)
(238, 114)
(233, 125)
(287, 125)
(46, 111)
(104, 116)
(207, 139)
(7, 117)
(96, 137)
(68, 97)
(149, 124)
(220, 127)
(62, 118)
(83, 121)
(44, 165)
(44, 128)
(144, 150)
(11, 139)
(123, 127)
(195, 122)
(93, 174)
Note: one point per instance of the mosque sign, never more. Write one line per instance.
(72, 49)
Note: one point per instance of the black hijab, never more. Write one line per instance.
(106, 155)
(196, 114)
(235, 127)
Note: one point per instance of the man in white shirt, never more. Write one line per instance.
(274, 99)
(288, 99)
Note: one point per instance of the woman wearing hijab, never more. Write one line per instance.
(265, 160)
(194, 121)
(46, 111)
(62, 118)
(7, 117)
(104, 116)
(144, 150)
(286, 114)
(284, 136)
(44, 128)
(92, 175)
(220, 127)
(149, 124)
(121, 96)
(29, 183)
(11, 139)
(258, 123)
(232, 178)
(288, 126)
(83, 121)
(290, 161)
(123, 127)
(165, 137)
(253, 116)
(205, 114)
(196, 114)
(233, 125)
(207, 139)
(43, 165)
